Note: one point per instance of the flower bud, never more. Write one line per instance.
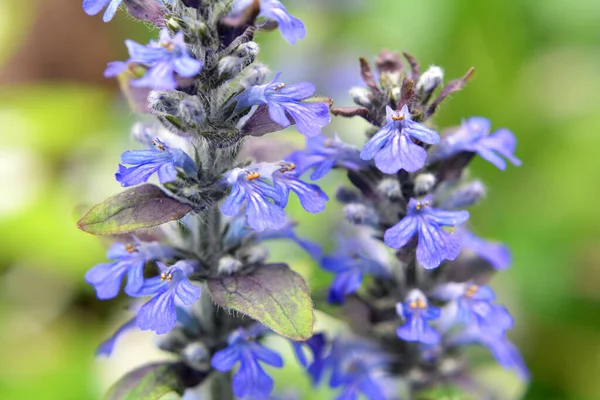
(191, 111)
(256, 75)
(390, 188)
(360, 96)
(230, 66)
(197, 355)
(360, 214)
(465, 196)
(229, 265)
(424, 184)
(430, 79)
(172, 342)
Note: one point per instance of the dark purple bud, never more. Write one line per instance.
(367, 75)
(389, 62)
(191, 3)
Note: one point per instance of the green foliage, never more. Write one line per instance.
(161, 381)
(444, 393)
(274, 295)
(143, 206)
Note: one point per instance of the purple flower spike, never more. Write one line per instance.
(496, 254)
(250, 380)
(170, 289)
(392, 146)
(311, 197)
(322, 154)
(249, 187)
(165, 60)
(93, 7)
(435, 244)
(162, 159)
(474, 136)
(286, 106)
(129, 259)
(417, 311)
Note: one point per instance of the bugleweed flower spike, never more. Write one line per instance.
(408, 273)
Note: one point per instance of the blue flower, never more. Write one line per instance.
(291, 28)
(93, 7)
(474, 136)
(162, 159)
(311, 197)
(249, 187)
(502, 349)
(496, 254)
(316, 345)
(393, 147)
(353, 259)
(322, 154)
(285, 106)
(472, 304)
(170, 289)
(106, 347)
(250, 380)
(164, 59)
(129, 259)
(435, 244)
(416, 311)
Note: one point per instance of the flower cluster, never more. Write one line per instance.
(408, 272)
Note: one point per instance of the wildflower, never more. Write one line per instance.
(474, 136)
(392, 146)
(322, 154)
(435, 244)
(249, 186)
(170, 289)
(311, 197)
(496, 254)
(472, 304)
(316, 345)
(129, 259)
(353, 259)
(162, 159)
(291, 28)
(93, 7)
(284, 103)
(164, 59)
(416, 311)
(250, 379)
(502, 349)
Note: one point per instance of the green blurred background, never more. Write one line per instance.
(63, 127)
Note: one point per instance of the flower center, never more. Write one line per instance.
(471, 291)
(398, 117)
(418, 304)
(131, 248)
(166, 276)
(421, 205)
(280, 86)
(250, 176)
(159, 145)
(167, 45)
(285, 167)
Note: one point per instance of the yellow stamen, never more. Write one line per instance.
(252, 175)
(130, 247)
(418, 207)
(471, 290)
(397, 117)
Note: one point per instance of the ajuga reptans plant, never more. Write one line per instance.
(408, 275)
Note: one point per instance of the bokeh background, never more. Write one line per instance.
(63, 126)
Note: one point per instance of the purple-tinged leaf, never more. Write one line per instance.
(415, 69)
(273, 294)
(389, 61)
(143, 206)
(155, 381)
(367, 75)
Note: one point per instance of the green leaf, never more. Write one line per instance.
(273, 294)
(143, 206)
(444, 393)
(161, 381)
